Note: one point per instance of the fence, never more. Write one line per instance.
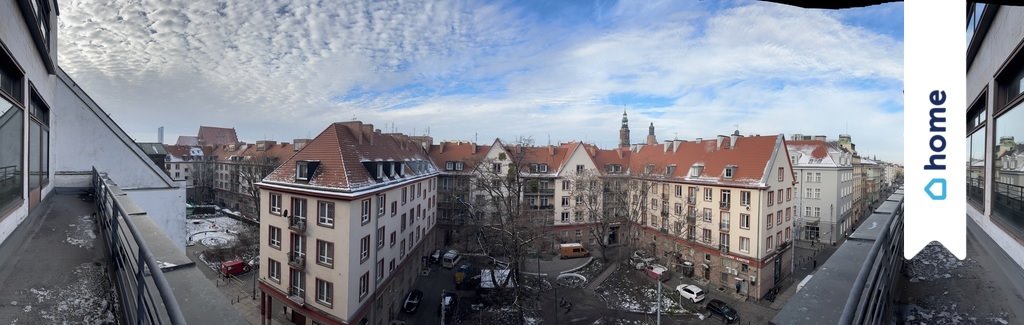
(144, 294)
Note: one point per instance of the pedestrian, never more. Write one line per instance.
(815, 263)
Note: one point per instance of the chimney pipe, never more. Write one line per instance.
(160, 135)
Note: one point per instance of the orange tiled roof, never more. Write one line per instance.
(341, 150)
(819, 148)
(750, 155)
(213, 136)
(466, 152)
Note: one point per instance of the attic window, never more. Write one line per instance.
(261, 146)
(729, 171)
(696, 170)
(453, 165)
(614, 168)
(305, 169)
(670, 169)
(539, 168)
(649, 169)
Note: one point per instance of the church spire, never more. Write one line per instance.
(624, 131)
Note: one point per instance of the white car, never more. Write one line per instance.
(691, 292)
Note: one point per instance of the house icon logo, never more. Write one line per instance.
(930, 189)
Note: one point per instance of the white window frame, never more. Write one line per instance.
(325, 213)
(365, 211)
(324, 292)
(364, 249)
(275, 237)
(274, 270)
(323, 254)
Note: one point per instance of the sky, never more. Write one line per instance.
(555, 71)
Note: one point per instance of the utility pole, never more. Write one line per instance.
(659, 300)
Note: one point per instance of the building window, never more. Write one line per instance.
(324, 292)
(817, 193)
(365, 211)
(325, 253)
(302, 170)
(789, 194)
(275, 237)
(391, 265)
(976, 123)
(394, 236)
(299, 208)
(771, 198)
(566, 185)
(1007, 179)
(726, 198)
(744, 221)
(274, 270)
(788, 213)
(380, 237)
(381, 204)
(38, 143)
(297, 287)
(325, 213)
(770, 219)
(768, 245)
(744, 244)
(708, 195)
(380, 270)
(679, 190)
(580, 169)
(401, 249)
(394, 208)
(745, 198)
(565, 217)
(274, 203)
(781, 170)
(707, 215)
(706, 235)
(496, 168)
(788, 232)
(364, 249)
(364, 285)
(778, 217)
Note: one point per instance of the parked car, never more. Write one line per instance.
(719, 307)
(640, 260)
(450, 259)
(412, 301)
(691, 292)
(572, 250)
(658, 272)
(449, 304)
(233, 268)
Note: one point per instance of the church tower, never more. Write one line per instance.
(624, 131)
(651, 140)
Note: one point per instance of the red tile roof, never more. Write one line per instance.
(750, 155)
(214, 136)
(466, 152)
(187, 140)
(179, 150)
(819, 149)
(341, 150)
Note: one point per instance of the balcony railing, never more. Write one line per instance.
(297, 296)
(724, 205)
(691, 218)
(297, 224)
(690, 199)
(723, 248)
(540, 191)
(296, 260)
(137, 273)
(723, 225)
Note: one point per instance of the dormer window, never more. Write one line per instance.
(649, 169)
(669, 170)
(614, 168)
(729, 171)
(539, 168)
(304, 169)
(695, 170)
(453, 165)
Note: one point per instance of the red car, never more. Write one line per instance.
(235, 267)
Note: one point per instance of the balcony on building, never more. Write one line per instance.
(723, 226)
(691, 199)
(724, 205)
(724, 248)
(297, 296)
(297, 224)
(296, 260)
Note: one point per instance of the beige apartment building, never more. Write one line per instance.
(724, 206)
(347, 220)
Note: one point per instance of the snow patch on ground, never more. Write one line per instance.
(87, 300)
(213, 232)
(625, 290)
(82, 233)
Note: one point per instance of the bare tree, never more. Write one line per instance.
(508, 228)
(252, 171)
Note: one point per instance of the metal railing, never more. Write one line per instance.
(136, 271)
(297, 224)
(724, 205)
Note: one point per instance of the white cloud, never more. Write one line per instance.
(284, 69)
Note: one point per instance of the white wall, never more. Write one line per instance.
(166, 207)
(84, 136)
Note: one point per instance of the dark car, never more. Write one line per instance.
(719, 307)
(449, 305)
(412, 301)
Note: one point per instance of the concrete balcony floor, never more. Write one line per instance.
(54, 269)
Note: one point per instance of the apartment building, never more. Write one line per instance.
(825, 190)
(456, 161)
(995, 122)
(732, 202)
(350, 189)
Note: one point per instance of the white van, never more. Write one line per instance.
(450, 259)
